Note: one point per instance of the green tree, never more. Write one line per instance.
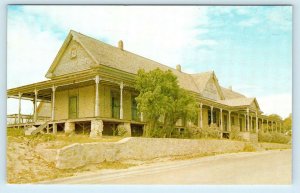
(287, 124)
(163, 102)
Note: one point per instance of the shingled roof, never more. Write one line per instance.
(114, 57)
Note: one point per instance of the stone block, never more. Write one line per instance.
(96, 128)
(69, 127)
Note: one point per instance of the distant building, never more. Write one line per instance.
(90, 89)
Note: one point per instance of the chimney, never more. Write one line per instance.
(178, 67)
(230, 88)
(120, 45)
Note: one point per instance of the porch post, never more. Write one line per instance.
(280, 127)
(248, 126)
(262, 125)
(142, 117)
(35, 105)
(267, 126)
(211, 115)
(229, 120)
(53, 103)
(251, 126)
(245, 122)
(97, 80)
(256, 123)
(221, 118)
(200, 117)
(19, 109)
(121, 100)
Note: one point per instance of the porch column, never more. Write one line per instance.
(97, 80)
(142, 117)
(200, 117)
(251, 126)
(245, 129)
(280, 127)
(248, 126)
(121, 100)
(256, 123)
(229, 120)
(221, 118)
(53, 103)
(262, 125)
(211, 115)
(267, 126)
(19, 109)
(35, 105)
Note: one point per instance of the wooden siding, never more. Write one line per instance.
(68, 64)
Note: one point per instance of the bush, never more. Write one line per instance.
(121, 131)
(273, 137)
(235, 133)
(207, 132)
(249, 147)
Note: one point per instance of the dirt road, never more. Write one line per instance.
(268, 167)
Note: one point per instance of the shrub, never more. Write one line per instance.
(249, 147)
(273, 137)
(207, 132)
(235, 133)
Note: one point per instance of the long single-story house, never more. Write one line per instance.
(90, 88)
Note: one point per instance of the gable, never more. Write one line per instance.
(211, 90)
(74, 58)
(254, 105)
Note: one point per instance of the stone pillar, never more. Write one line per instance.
(248, 126)
(229, 120)
(142, 117)
(200, 117)
(121, 100)
(97, 80)
(256, 123)
(53, 103)
(54, 128)
(19, 109)
(211, 115)
(69, 127)
(96, 128)
(35, 105)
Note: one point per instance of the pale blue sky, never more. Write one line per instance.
(248, 47)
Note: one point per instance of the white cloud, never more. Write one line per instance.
(280, 104)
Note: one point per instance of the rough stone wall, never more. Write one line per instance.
(96, 128)
(77, 155)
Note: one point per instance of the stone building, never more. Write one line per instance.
(90, 89)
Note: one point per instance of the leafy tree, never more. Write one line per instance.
(163, 102)
(287, 124)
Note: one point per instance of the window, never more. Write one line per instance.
(115, 104)
(214, 117)
(134, 112)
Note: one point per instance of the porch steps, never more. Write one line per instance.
(33, 130)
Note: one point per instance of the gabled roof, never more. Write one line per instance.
(114, 57)
(240, 102)
(230, 94)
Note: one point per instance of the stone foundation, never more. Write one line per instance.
(96, 128)
(54, 128)
(69, 127)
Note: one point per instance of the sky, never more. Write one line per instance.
(248, 47)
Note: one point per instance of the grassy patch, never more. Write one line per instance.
(249, 148)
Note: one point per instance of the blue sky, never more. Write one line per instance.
(248, 47)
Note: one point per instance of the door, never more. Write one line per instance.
(73, 107)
